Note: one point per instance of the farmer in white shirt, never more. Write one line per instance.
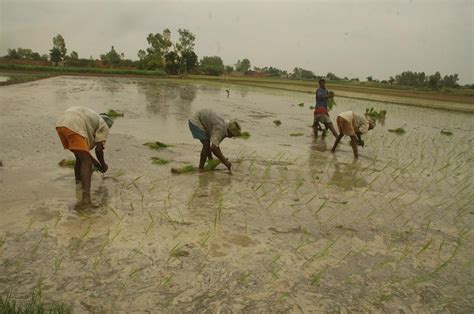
(211, 129)
(354, 125)
(80, 130)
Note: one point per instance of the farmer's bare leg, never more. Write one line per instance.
(85, 160)
(354, 146)
(77, 168)
(331, 127)
(338, 139)
(205, 153)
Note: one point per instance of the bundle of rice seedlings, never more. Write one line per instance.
(373, 113)
(244, 135)
(69, 163)
(297, 134)
(114, 114)
(157, 145)
(446, 132)
(277, 122)
(159, 161)
(397, 131)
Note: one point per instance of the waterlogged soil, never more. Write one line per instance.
(294, 228)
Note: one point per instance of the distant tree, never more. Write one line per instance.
(391, 80)
(300, 73)
(332, 77)
(370, 78)
(172, 63)
(243, 66)
(12, 54)
(55, 55)
(434, 81)
(111, 58)
(74, 55)
(229, 69)
(450, 81)
(211, 65)
(60, 44)
(185, 50)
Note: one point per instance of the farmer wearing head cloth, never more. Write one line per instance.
(211, 129)
(80, 130)
(353, 125)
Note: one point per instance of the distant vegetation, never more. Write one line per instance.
(177, 57)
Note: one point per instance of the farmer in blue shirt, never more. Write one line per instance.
(321, 113)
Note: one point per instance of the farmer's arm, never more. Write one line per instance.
(217, 151)
(359, 139)
(99, 152)
(354, 146)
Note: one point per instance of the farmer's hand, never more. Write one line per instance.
(361, 143)
(103, 168)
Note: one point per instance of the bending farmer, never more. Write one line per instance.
(321, 113)
(354, 125)
(80, 130)
(211, 129)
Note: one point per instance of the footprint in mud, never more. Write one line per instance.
(230, 241)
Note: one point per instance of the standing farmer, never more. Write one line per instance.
(354, 125)
(80, 130)
(321, 113)
(211, 129)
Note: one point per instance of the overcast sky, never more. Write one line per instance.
(350, 38)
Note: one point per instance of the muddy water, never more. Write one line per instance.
(295, 228)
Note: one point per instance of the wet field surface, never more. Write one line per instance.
(295, 228)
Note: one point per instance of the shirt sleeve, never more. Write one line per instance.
(102, 132)
(217, 135)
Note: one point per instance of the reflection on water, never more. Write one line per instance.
(161, 97)
(347, 175)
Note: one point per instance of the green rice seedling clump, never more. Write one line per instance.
(114, 113)
(277, 122)
(211, 165)
(301, 104)
(34, 305)
(446, 132)
(185, 169)
(157, 145)
(311, 107)
(69, 163)
(331, 102)
(244, 135)
(297, 134)
(159, 161)
(373, 113)
(397, 131)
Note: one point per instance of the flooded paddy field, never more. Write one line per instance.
(294, 229)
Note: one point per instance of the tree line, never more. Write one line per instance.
(178, 57)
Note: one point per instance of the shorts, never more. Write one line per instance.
(345, 127)
(322, 118)
(71, 140)
(197, 132)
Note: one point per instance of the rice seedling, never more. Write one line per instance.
(114, 113)
(185, 169)
(446, 132)
(35, 304)
(159, 161)
(57, 263)
(244, 135)
(3, 239)
(277, 122)
(301, 104)
(425, 247)
(157, 145)
(166, 281)
(398, 131)
(316, 278)
(373, 113)
(311, 107)
(297, 134)
(68, 163)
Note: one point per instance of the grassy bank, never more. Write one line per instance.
(77, 70)
(35, 304)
